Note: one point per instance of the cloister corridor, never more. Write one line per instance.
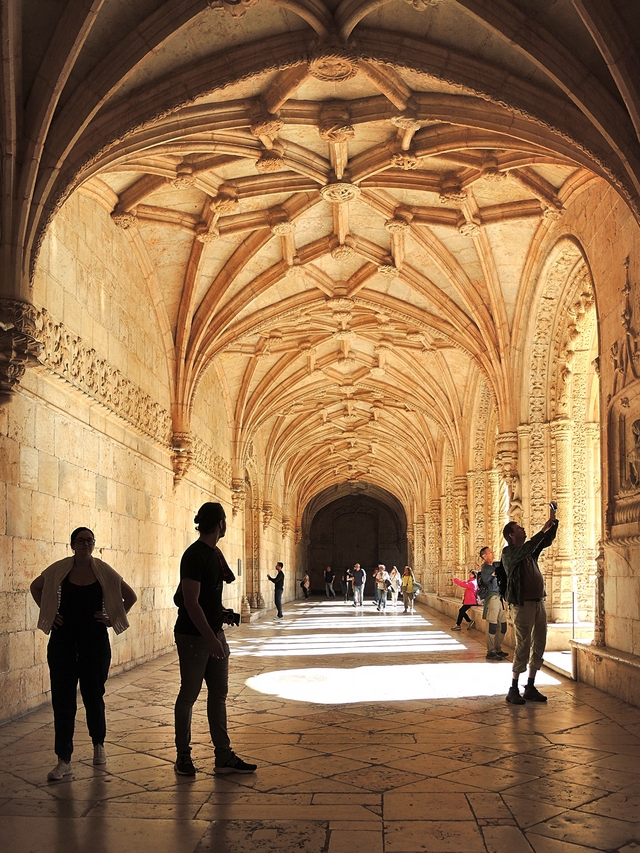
(373, 734)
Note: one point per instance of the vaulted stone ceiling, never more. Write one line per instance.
(338, 204)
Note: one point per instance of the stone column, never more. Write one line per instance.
(435, 531)
(559, 597)
(418, 551)
(494, 531)
(507, 462)
(461, 505)
(599, 615)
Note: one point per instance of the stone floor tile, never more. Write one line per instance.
(581, 828)
(551, 845)
(252, 836)
(491, 778)
(597, 776)
(327, 766)
(422, 806)
(355, 841)
(377, 778)
(528, 812)
(487, 806)
(285, 811)
(500, 839)
(434, 836)
(550, 790)
(620, 805)
(126, 835)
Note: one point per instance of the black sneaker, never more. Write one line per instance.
(532, 694)
(493, 656)
(184, 766)
(235, 765)
(502, 654)
(514, 697)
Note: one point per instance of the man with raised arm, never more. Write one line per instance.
(525, 596)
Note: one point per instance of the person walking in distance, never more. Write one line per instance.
(470, 599)
(329, 578)
(408, 589)
(203, 653)
(525, 595)
(278, 584)
(493, 612)
(359, 577)
(382, 583)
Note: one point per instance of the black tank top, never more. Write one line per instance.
(77, 606)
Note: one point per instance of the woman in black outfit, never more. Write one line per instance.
(79, 598)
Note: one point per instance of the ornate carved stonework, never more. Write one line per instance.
(181, 455)
(267, 514)
(268, 127)
(388, 270)
(124, 218)
(335, 122)
(407, 161)
(234, 8)
(507, 461)
(469, 229)
(333, 64)
(184, 177)
(205, 458)
(342, 252)
(206, 234)
(269, 161)
(423, 5)
(397, 225)
(19, 344)
(339, 192)
(238, 495)
(68, 356)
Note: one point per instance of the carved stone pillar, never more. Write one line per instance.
(238, 495)
(435, 537)
(461, 504)
(19, 344)
(507, 461)
(599, 615)
(418, 550)
(562, 582)
(245, 609)
(494, 532)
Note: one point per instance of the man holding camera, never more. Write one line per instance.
(525, 596)
(203, 652)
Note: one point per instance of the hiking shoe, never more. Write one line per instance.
(471, 625)
(514, 697)
(99, 756)
(235, 765)
(532, 694)
(493, 656)
(456, 628)
(62, 769)
(184, 766)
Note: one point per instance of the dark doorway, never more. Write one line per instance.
(355, 529)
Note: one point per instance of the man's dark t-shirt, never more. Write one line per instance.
(206, 565)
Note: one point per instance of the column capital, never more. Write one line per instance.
(20, 346)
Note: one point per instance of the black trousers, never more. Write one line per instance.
(462, 613)
(72, 660)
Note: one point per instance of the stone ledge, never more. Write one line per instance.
(559, 634)
(612, 670)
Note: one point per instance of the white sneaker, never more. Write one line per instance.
(62, 768)
(99, 756)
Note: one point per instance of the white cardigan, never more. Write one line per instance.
(109, 580)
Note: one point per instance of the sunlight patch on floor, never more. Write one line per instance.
(328, 686)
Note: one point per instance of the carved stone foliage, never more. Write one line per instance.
(19, 344)
(205, 458)
(333, 64)
(234, 8)
(480, 508)
(623, 510)
(335, 122)
(69, 357)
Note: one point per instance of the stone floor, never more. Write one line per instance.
(373, 733)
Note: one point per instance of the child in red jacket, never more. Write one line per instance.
(470, 600)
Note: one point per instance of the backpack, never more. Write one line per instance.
(501, 577)
(483, 590)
